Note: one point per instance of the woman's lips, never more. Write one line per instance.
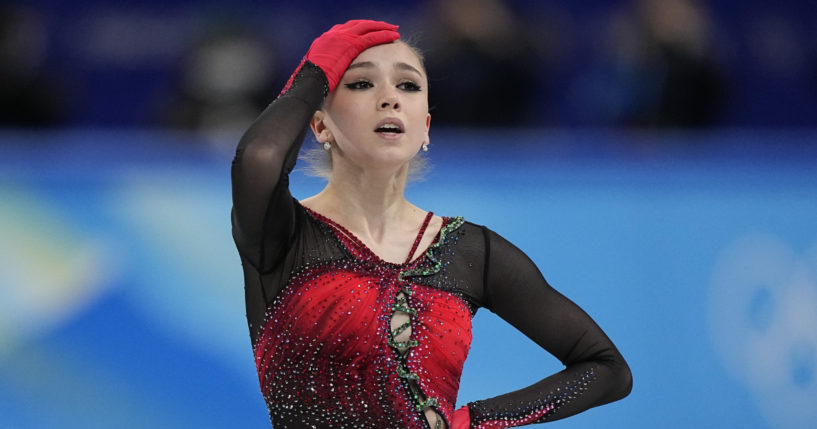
(390, 128)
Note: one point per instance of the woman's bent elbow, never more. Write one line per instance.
(623, 380)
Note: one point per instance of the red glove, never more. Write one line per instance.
(334, 50)
(462, 418)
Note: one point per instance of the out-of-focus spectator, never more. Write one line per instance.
(777, 53)
(659, 68)
(481, 66)
(29, 95)
(225, 82)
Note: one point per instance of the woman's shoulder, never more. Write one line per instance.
(460, 223)
(468, 225)
(460, 231)
(483, 236)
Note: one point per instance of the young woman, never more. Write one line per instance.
(359, 303)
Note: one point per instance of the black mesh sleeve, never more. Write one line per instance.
(595, 372)
(263, 209)
(263, 215)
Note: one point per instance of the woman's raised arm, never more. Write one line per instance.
(263, 210)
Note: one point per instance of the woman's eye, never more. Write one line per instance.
(360, 84)
(409, 86)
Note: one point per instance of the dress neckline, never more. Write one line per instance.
(419, 237)
(363, 248)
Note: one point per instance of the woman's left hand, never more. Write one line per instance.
(462, 418)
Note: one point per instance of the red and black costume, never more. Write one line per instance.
(319, 306)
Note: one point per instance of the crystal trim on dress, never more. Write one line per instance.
(436, 264)
(401, 304)
(425, 265)
(537, 411)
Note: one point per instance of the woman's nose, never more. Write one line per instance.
(389, 101)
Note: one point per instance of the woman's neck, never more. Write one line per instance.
(367, 202)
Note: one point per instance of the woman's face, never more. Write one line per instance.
(377, 117)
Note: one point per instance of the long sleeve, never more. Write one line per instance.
(595, 372)
(263, 215)
(262, 205)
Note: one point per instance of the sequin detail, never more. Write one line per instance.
(431, 252)
(402, 306)
(402, 349)
(305, 67)
(327, 354)
(538, 411)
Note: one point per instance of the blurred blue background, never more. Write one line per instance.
(656, 159)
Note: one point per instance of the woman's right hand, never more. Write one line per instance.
(335, 49)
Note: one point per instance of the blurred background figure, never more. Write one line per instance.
(481, 64)
(224, 81)
(774, 75)
(30, 95)
(658, 68)
(629, 63)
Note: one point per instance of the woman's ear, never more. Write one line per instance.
(428, 127)
(319, 128)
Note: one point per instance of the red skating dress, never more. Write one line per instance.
(322, 307)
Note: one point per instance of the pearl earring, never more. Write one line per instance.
(327, 145)
(425, 147)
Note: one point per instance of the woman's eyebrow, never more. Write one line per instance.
(397, 65)
(362, 64)
(408, 67)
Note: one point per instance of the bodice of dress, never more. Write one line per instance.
(327, 354)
